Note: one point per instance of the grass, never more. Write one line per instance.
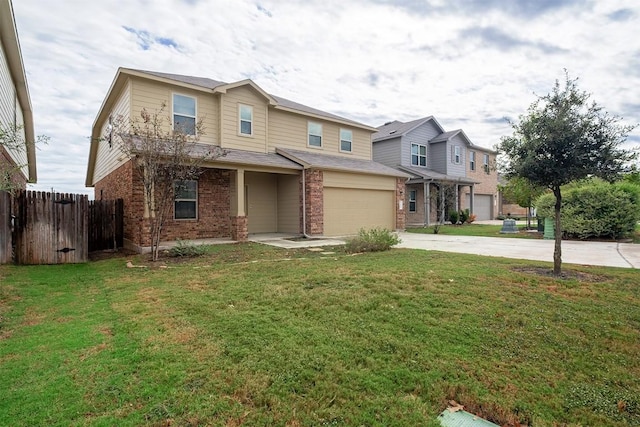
(481, 230)
(259, 336)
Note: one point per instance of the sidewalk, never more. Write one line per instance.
(611, 254)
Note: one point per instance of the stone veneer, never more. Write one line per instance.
(400, 196)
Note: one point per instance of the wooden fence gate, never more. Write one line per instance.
(50, 228)
(106, 224)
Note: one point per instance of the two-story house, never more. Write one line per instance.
(447, 170)
(288, 168)
(17, 151)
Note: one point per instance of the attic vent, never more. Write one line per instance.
(388, 123)
(392, 132)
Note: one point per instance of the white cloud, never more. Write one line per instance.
(467, 62)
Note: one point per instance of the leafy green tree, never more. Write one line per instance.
(523, 192)
(564, 137)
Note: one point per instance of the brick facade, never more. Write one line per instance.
(314, 202)
(9, 166)
(213, 220)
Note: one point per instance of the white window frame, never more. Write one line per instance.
(485, 164)
(310, 134)
(174, 114)
(345, 140)
(413, 201)
(472, 160)
(457, 154)
(177, 200)
(418, 155)
(240, 120)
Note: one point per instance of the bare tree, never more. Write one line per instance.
(164, 157)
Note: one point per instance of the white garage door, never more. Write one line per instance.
(347, 210)
(482, 206)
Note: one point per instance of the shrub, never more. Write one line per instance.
(187, 250)
(596, 209)
(464, 216)
(373, 240)
(454, 217)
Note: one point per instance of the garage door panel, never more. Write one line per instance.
(347, 210)
(482, 206)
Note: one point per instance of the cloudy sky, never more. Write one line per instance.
(469, 63)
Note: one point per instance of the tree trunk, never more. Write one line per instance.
(557, 251)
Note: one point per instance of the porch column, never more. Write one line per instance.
(457, 206)
(426, 191)
(239, 222)
(471, 199)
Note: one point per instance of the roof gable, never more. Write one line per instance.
(396, 128)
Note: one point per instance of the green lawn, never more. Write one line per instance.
(482, 230)
(258, 336)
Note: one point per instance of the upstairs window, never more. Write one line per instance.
(485, 163)
(472, 160)
(245, 113)
(314, 131)
(346, 140)
(412, 200)
(186, 199)
(418, 155)
(456, 156)
(184, 114)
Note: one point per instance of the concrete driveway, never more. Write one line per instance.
(611, 254)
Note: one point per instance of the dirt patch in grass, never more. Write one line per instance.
(580, 276)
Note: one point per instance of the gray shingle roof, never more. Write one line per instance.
(196, 81)
(396, 128)
(420, 174)
(330, 162)
(445, 136)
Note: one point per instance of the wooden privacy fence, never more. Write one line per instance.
(106, 224)
(50, 228)
(6, 251)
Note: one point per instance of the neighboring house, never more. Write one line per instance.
(508, 207)
(288, 168)
(447, 169)
(15, 104)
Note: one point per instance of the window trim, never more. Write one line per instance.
(350, 140)
(179, 200)
(413, 198)
(457, 154)
(472, 160)
(174, 114)
(485, 163)
(418, 155)
(240, 120)
(309, 134)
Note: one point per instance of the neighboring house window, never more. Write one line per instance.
(485, 163)
(184, 114)
(418, 155)
(472, 160)
(346, 140)
(456, 154)
(412, 200)
(315, 134)
(246, 119)
(186, 199)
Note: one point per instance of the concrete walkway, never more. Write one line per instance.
(611, 254)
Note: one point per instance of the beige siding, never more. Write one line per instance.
(231, 137)
(288, 203)
(348, 210)
(150, 95)
(110, 157)
(262, 207)
(289, 130)
(10, 110)
(350, 180)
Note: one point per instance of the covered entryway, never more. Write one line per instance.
(353, 201)
(482, 206)
(272, 203)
